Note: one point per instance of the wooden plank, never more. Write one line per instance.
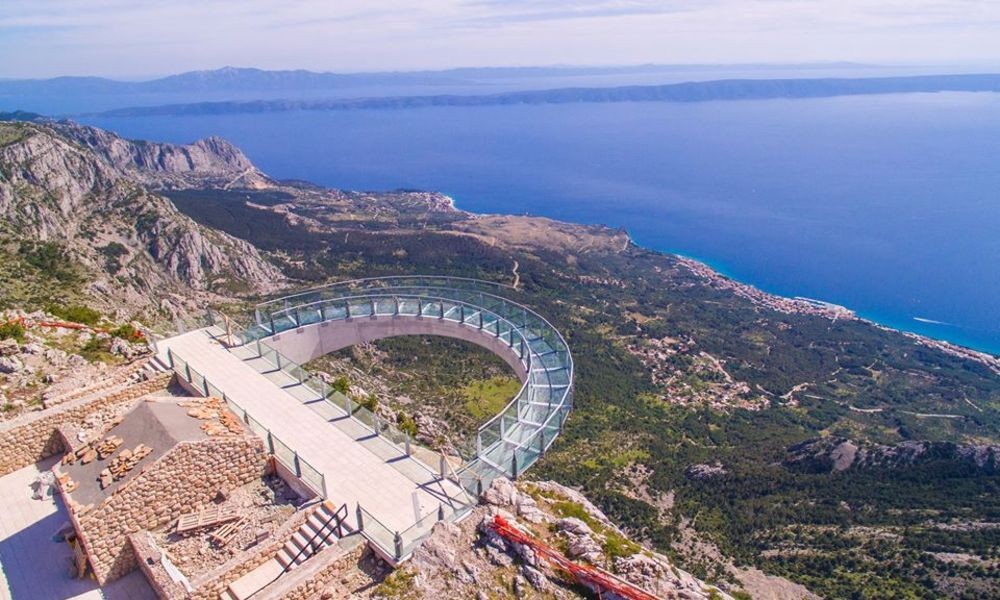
(206, 518)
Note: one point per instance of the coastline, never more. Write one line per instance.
(830, 311)
(719, 275)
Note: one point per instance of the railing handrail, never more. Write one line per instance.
(506, 443)
(172, 356)
(514, 327)
(349, 282)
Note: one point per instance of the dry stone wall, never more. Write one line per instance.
(149, 559)
(307, 581)
(214, 583)
(185, 479)
(35, 436)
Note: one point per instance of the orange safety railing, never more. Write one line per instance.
(65, 325)
(600, 581)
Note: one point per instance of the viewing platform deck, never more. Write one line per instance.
(344, 452)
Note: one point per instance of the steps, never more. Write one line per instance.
(150, 369)
(318, 532)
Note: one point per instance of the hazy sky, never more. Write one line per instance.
(42, 38)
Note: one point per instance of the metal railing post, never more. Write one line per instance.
(347, 310)
(187, 371)
(298, 467)
(277, 359)
(397, 541)
(170, 358)
(204, 386)
(260, 353)
(270, 318)
(347, 404)
(513, 465)
(441, 314)
(361, 519)
(441, 464)
(372, 300)
(406, 444)
(440, 512)
(270, 442)
(322, 389)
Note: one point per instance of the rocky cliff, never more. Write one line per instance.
(211, 162)
(81, 199)
(828, 454)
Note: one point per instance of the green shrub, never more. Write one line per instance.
(113, 254)
(128, 333)
(50, 258)
(12, 329)
(341, 384)
(75, 313)
(370, 402)
(406, 424)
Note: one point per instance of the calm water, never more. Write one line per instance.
(889, 205)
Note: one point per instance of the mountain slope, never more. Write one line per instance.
(78, 201)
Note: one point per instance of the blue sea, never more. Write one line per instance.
(888, 205)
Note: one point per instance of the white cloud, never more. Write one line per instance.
(122, 38)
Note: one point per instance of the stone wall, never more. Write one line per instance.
(211, 585)
(149, 558)
(183, 480)
(34, 436)
(308, 580)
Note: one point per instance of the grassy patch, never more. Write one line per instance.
(12, 330)
(75, 313)
(399, 584)
(486, 398)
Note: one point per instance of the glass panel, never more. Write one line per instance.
(284, 454)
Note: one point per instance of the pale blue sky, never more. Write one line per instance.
(119, 38)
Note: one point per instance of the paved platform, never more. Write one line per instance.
(34, 567)
(358, 466)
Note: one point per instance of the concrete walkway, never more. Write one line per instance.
(34, 567)
(358, 467)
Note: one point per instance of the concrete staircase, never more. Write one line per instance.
(150, 368)
(323, 528)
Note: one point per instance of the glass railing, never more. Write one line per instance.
(508, 443)
(281, 451)
(309, 387)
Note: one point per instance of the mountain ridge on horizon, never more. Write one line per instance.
(692, 91)
(501, 71)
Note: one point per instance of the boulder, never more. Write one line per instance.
(9, 347)
(10, 364)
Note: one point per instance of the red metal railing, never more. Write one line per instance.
(600, 581)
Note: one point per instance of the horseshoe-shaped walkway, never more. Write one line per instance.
(346, 453)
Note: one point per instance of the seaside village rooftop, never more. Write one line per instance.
(213, 466)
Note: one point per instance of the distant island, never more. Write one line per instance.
(700, 91)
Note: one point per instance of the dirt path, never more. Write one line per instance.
(517, 278)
